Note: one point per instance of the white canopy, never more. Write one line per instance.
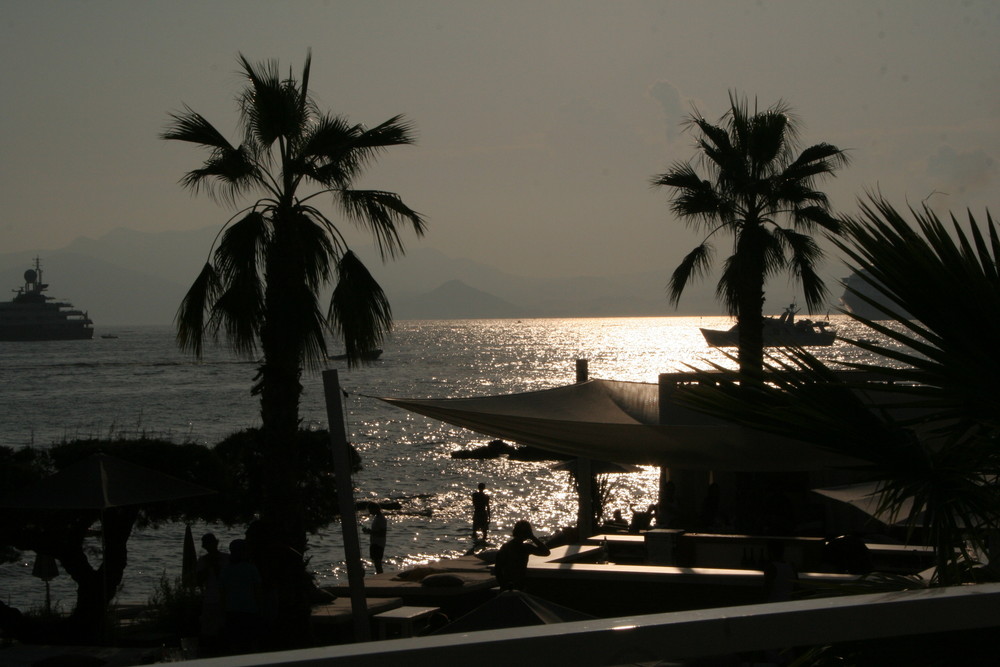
(619, 421)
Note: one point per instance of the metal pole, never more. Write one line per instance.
(345, 497)
(584, 474)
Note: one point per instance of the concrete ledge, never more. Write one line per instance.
(656, 637)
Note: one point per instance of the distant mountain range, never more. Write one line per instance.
(138, 278)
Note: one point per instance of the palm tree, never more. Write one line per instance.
(937, 467)
(262, 284)
(755, 179)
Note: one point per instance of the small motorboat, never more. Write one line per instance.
(783, 331)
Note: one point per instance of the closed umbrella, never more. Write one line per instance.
(46, 569)
(189, 562)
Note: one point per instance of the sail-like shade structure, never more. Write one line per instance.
(618, 421)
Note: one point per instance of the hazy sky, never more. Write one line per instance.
(539, 122)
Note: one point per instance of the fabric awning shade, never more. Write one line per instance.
(618, 421)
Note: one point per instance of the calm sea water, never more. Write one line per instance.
(140, 382)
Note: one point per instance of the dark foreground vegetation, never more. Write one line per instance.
(232, 470)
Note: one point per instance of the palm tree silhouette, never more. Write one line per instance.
(262, 284)
(754, 180)
(927, 428)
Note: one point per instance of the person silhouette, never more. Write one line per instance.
(208, 574)
(243, 600)
(481, 512)
(511, 568)
(378, 531)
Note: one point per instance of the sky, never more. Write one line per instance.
(539, 123)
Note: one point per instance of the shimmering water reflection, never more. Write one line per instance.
(140, 383)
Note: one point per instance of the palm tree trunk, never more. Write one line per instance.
(750, 306)
(279, 541)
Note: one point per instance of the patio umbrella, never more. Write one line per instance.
(101, 482)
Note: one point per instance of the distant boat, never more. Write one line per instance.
(782, 331)
(108, 336)
(369, 355)
(33, 316)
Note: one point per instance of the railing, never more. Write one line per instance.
(658, 637)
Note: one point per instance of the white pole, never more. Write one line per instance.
(345, 498)
(584, 473)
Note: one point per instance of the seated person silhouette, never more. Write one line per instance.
(511, 567)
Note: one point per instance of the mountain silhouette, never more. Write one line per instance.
(456, 300)
(128, 277)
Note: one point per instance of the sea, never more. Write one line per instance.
(131, 381)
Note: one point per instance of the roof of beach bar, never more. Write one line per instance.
(618, 421)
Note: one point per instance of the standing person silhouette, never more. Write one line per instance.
(378, 531)
(481, 512)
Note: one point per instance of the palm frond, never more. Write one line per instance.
(359, 311)
(941, 280)
(190, 316)
(315, 247)
(396, 131)
(304, 99)
(695, 200)
(241, 247)
(338, 152)
(381, 213)
(805, 256)
(238, 310)
(766, 142)
(802, 400)
(818, 159)
(807, 217)
(327, 155)
(192, 127)
(694, 265)
(773, 252)
(271, 108)
(225, 175)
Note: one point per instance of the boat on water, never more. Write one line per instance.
(781, 331)
(32, 315)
